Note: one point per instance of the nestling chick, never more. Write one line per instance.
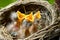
(34, 26)
(13, 17)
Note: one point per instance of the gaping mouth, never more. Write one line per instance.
(30, 17)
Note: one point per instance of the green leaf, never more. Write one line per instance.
(51, 1)
(4, 3)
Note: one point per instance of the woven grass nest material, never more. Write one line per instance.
(4, 35)
(47, 21)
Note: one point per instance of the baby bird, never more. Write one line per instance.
(24, 30)
(34, 26)
(13, 17)
(30, 20)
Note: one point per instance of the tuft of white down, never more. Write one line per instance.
(13, 16)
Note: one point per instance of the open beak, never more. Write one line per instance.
(37, 15)
(30, 17)
(20, 16)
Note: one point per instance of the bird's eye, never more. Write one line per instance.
(38, 21)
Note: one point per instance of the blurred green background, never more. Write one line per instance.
(4, 3)
(51, 1)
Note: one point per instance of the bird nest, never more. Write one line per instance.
(47, 23)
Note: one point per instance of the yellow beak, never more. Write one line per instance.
(37, 15)
(20, 16)
(30, 17)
